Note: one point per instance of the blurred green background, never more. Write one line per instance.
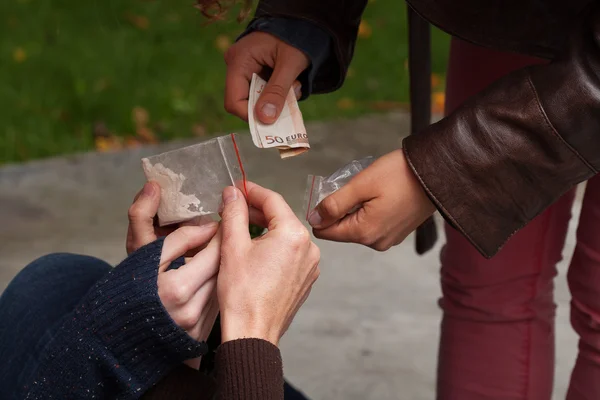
(113, 73)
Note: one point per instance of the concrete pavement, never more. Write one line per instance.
(369, 329)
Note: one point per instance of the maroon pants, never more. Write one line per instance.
(497, 337)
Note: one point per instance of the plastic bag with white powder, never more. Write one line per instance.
(192, 178)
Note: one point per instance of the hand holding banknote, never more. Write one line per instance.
(287, 133)
(253, 54)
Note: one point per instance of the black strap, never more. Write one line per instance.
(419, 59)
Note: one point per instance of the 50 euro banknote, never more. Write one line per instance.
(287, 134)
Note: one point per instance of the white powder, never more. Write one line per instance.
(174, 206)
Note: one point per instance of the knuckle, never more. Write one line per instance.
(187, 318)
(275, 198)
(367, 236)
(229, 105)
(329, 207)
(315, 253)
(176, 293)
(381, 246)
(299, 237)
(134, 212)
(276, 89)
(316, 274)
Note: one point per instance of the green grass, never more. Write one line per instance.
(83, 62)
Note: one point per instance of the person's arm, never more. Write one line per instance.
(119, 341)
(510, 152)
(339, 19)
(256, 300)
(308, 41)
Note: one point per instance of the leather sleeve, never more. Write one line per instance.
(511, 151)
(339, 18)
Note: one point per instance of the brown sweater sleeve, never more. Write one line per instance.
(249, 369)
(511, 151)
(246, 369)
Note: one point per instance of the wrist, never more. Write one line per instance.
(234, 328)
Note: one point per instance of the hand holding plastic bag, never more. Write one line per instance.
(319, 187)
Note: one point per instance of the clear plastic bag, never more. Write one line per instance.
(192, 178)
(319, 187)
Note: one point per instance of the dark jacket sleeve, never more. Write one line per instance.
(118, 341)
(245, 369)
(339, 18)
(511, 151)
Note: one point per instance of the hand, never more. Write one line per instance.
(189, 292)
(263, 282)
(391, 200)
(142, 228)
(253, 54)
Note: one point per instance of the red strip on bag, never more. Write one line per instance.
(237, 153)
(312, 188)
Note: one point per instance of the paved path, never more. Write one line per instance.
(369, 329)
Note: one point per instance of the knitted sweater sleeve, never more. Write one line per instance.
(245, 369)
(118, 341)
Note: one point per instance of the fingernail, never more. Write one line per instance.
(269, 110)
(298, 91)
(229, 195)
(148, 190)
(314, 219)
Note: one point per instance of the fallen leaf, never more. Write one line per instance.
(350, 73)
(131, 142)
(19, 55)
(199, 130)
(436, 81)
(222, 42)
(109, 143)
(364, 30)
(140, 116)
(389, 105)
(345, 103)
(438, 102)
(146, 134)
(139, 21)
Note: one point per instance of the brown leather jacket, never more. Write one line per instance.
(512, 150)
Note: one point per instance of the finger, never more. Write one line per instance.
(234, 217)
(271, 204)
(288, 65)
(237, 85)
(348, 230)
(208, 316)
(191, 312)
(183, 240)
(257, 217)
(337, 205)
(204, 265)
(141, 216)
(297, 86)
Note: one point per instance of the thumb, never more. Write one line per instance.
(234, 218)
(288, 66)
(141, 217)
(337, 205)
